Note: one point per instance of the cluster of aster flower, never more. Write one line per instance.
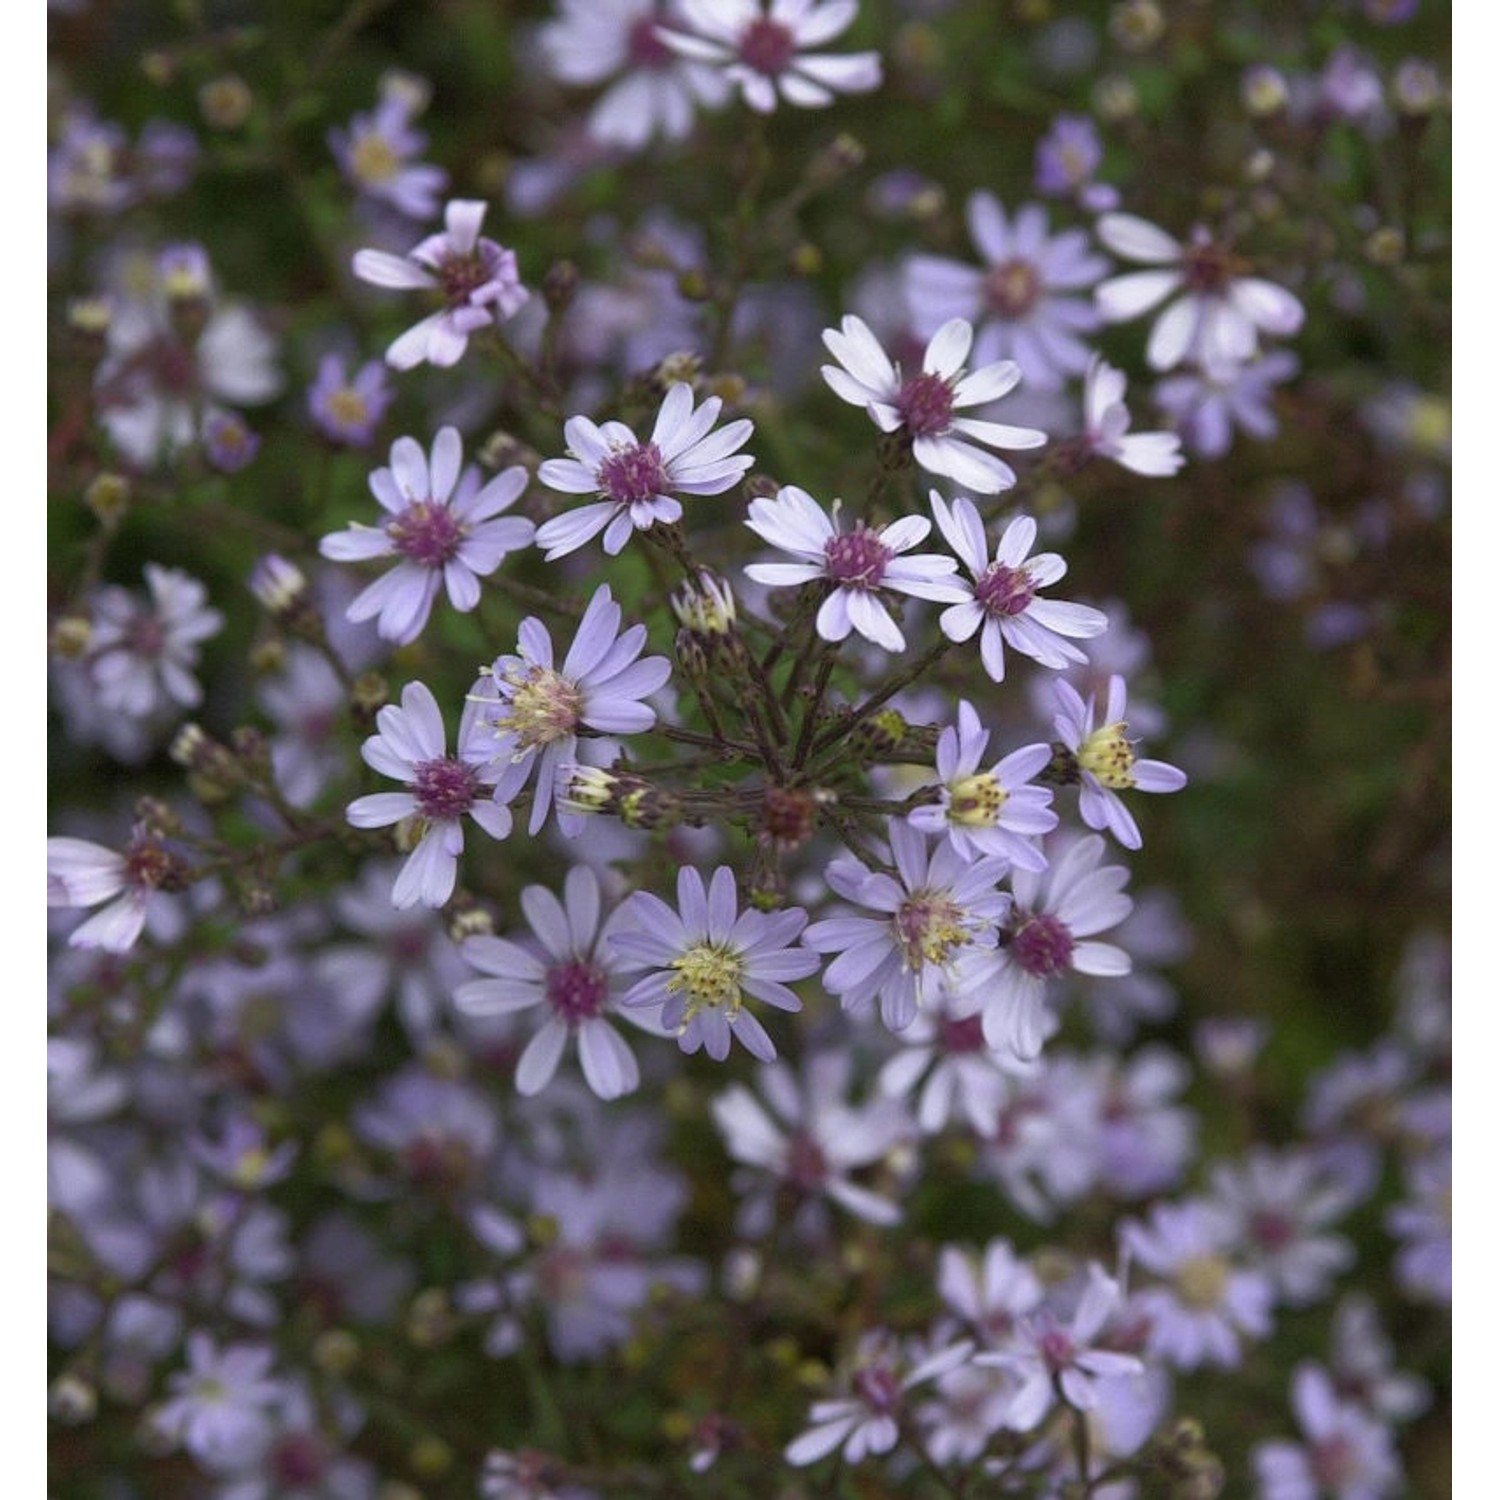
(656, 894)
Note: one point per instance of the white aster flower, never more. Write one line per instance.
(858, 564)
(636, 481)
(758, 45)
(1222, 310)
(1106, 427)
(1003, 604)
(923, 405)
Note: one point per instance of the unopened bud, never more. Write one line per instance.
(226, 102)
(560, 285)
(370, 693)
(72, 1400)
(430, 1320)
(336, 1351)
(431, 1457)
(91, 316)
(1115, 99)
(108, 496)
(1137, 25)
(1264, 91)
(1417, 88)
(682, 366)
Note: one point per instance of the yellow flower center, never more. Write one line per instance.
(709, 975)
(544, 706)
(348, 406)
(373, 159)
(1108, 754)
(1201, 1280)
(975, 801)
(929, 927)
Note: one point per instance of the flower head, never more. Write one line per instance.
(535, 710)
(1107, 762)
(1003, 603)
(476, 278)
(376, 155)
(636, 482)
(80, 873)
(439, 525)
(348, 409)
(922, 407)
(575, 977)
(411, 746)
(857, 564)
(758, 45)
(1106, 427)
(706, 957)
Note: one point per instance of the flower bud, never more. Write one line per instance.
(226, 102)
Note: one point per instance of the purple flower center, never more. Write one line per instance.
(768, 47)
(1012, 288)
(444, 788)
(146, 635)
(645, 48)
(878, 1388)
(1005, 591)
(299, 1458)
(857, 559)
(1335, 1463)
(576, 990)
(961, 1034)
(461, 274)
(1056, 1348)
(929, 927)
(1272, 1230)
(1042, 945)
(1208, 268)
(926, 405)
(147, 864)
(426, 532)
(632, 474)
(806, 1166)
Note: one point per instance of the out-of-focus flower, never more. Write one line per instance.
(922, 408)
(441, 527)
(1024, 300)
(220, 1407)
(476, 278)
(1221, 309)
(348, 409)
(759, 47)
(80, 873)
(1345, 1453)
(636, 481)
(1106, 427)
(376, 155)
(1208, 405)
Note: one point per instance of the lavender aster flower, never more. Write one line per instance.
(936, 909)
(375, 154)
(858, 564)
(1023, 300)
(576, 976)
(758, 45)
(220, 1406)
(922, 408)
(348, 409)
(1106, 427)
(228, 443)
(1206, 1303)
(411, 746)
(988, 812)
(868, 1419)
(1220, 311)
(80, 873)
(476, 278)
(1208, 405)
(1067, 158)
(989, 1294)
(1046, 936)
(1345, 1453)
(1424, 1222)
(1002, 603)
(706, 957)
(1052, 1359)
(536, 710)
(440, 527)
(636, 482)
(1107, 761)
(656, 92)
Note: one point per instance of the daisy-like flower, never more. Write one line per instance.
(857, 564)
(536, 710)
(1106, 427)
(1107, 761)
(636, 482)
(220, 1407)
(348, 409)
(1050, 1358)
(935, 910)
(1208, 405)
(706, 957)
(988, 812)
(440, 525)
(376, 155)
(1205, 1303)
(758, 45)
(81, 873)
(922, 407)
(411, 746)
(1345, 1453)
(1024, 300)
(141, 656)
(1002, 602)
(656, 92)
(1045, 937)
(1222, 310)
(867, 1420)
(477, 280)
(575, 976)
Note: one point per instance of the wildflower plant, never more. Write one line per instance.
(609, 596)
